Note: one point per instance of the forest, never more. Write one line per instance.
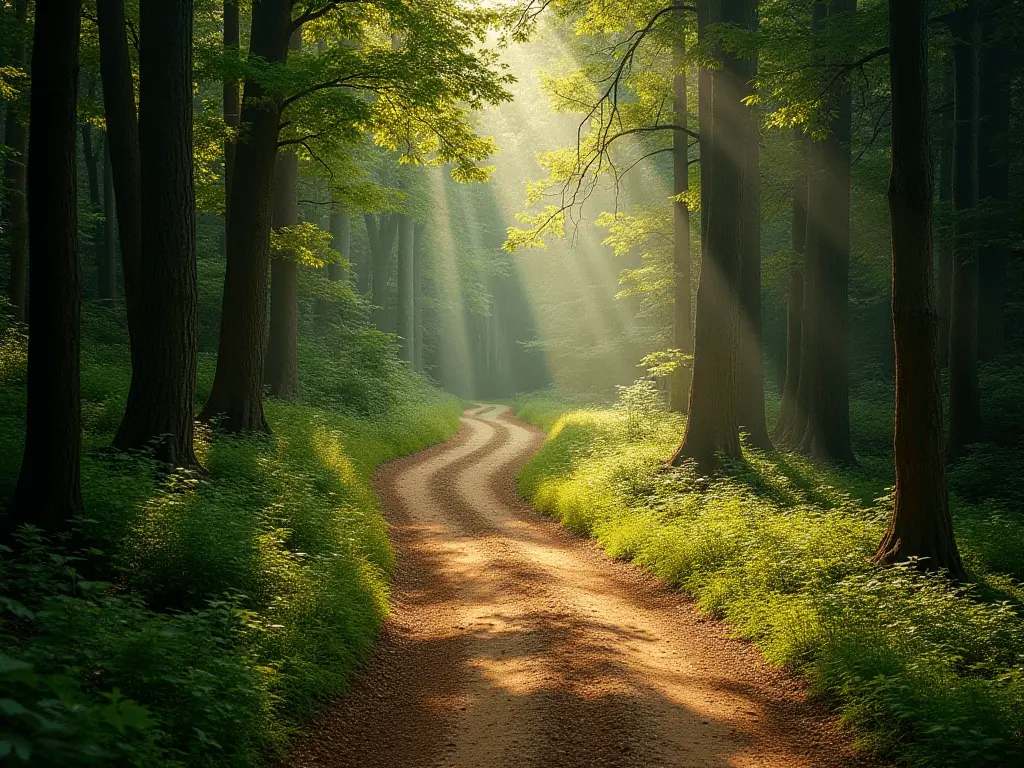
(512, 383)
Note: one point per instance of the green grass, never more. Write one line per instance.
(226, 607)
(925, 673)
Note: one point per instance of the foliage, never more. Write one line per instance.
(929, 673)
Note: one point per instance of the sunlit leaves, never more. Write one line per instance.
(304, 243)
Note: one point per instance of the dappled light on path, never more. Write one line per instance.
(515, 643)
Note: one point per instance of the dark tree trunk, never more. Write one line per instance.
(921, 526)
(944, 247)
(785, 426)
(993, 187)
(363, 268)
(107, 247)
(237, 394)
(964, 396)
(160, 408)
(123, 149)
(282, 371)
(712, 429)
(406, 229)
(92, 173)
(231, 106)
(382, 230)
(824, 364)
(16, 209)
(750, 370)
(340, 229)
(682, 325)
(48, 493)
(417, 295)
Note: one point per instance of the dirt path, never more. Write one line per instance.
(515, 643)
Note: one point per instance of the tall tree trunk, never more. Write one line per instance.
(712, 428)
(48, 493)
(993, 186)
(785, 426)
(406, 229)
(123, 149)
(231, 106)
(682, 325)
(921, 526)
(383, 230)
(944, 247)
(417, 295)
(16, 209)
(964, 396)
(160, 408)
(341, 236)
(91, 170)
(107, 247)
(237, 394)
(282, 371)
(824, 365)
(750, 365)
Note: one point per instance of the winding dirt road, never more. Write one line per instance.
(514, 643)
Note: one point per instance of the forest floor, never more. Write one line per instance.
(513, 642)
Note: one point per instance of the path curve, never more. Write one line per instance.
(513, 643)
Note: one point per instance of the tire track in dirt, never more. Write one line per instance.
(514, 643)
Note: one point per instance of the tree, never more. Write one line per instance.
(159, 412)
(993, 176)
(921, 526)
(790, 405)
(419, 246)
(16, 210)
(48, 493)
(108, 245)
(381, 231)
(712, 429)
(964, 394)
(750, 381)
(824, 365)
(231, 106)
(236, 399)
(282, 363)
(406, 309)
(682, 318)
(123, 149)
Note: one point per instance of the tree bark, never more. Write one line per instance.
(237, 395)
(231, 106)
(417, 295)
(944, 247)
(48, 493)
(92, 175)
(16, 213)
(682, 325)
(712, 430)
(993, 186)
(964, 395)
(340, 229)
(824, 364)
(123, 149)
(282, 363)
(160, 408)
(921, 526)
(406, 229)
(107, 247)
(786, 424)
(750, 370)
(383, 230)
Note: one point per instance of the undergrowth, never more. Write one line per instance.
(925, 672)
(205, 615)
